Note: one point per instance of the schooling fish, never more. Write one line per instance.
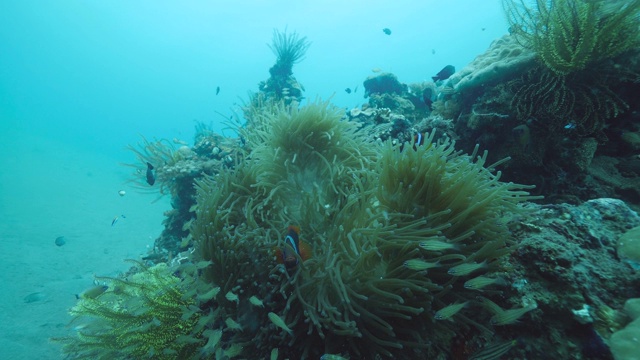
(151, 178)
(217, 90)
(445, 73)
(386, 31)
(347, 90)
(293, 249)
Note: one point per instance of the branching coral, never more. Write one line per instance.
(394, 236)
(568, 35)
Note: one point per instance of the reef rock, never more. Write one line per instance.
(504, 59)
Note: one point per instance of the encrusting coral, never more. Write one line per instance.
(394, 236)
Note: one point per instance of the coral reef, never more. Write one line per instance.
(374, 228)
(553, 123)
(412, 249)
(175, 171)
(504, 59)
(566, 260)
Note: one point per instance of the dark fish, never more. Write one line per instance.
(151, 178)
(217, 90)
(444, 73)
(355, 90)
(427, 97)
(347, 90)
(115, 219)
(386, 31)
(60, 240)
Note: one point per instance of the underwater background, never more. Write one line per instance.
(83, 82)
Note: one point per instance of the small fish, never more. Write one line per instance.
(122, 193)
(480, 282)
(256, 302)
(428, 96)
(232, 297)
(386, 31)
(376, 70)
(151, 178)
(60, 240)
(445, 73)
(293, 249)
(466, 268)
(433, 51)
(232, 324)
(419, 264)
(571, 125)
(494, 350)
(355, 90)
(483, 29)
(347, 90)
(436, 245)
(209, 294)
(277, 321)
(116, 218)
(217, 90)
(332, 357)
(448, 311)
(214, 338)
(93, 292)
(180, 142)
(511, 316)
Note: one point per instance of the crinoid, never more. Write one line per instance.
(569, 35)
(582, 101)
(150, 314)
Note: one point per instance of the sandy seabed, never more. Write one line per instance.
(50, 189)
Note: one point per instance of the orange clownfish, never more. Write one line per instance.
(293, 249)
(417, 140)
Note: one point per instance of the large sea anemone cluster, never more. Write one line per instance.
(395, 234)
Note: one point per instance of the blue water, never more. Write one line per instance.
(80, 80)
